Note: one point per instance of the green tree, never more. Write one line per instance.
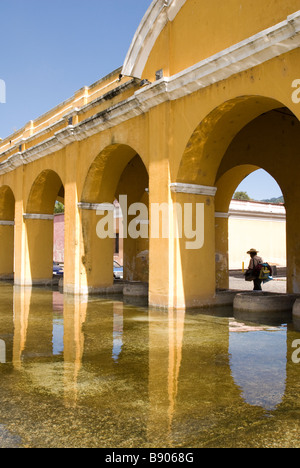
(241, 196)
(59, 208)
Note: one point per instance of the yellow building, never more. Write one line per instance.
(208, 93)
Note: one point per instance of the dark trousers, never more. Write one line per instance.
(257, 285)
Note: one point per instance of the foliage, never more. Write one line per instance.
(59, 207)
(241, 196)
(275, 201)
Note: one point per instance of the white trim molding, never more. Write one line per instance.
(152, 24)
(219, 214)
(7, 223)
(193, 189)
(260, 48)
(43, 217)
(96, 206)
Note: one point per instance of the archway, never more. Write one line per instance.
(7, 221)
(39, 217)
(245, 223)
(234, 140)
(260, 221)
(271, 141)
(117, 174)
(211, 138)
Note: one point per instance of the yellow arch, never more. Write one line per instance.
(271, 142)
(227, 184)
(7, 203)
(44, 192)
(212, 137)
(104, 173)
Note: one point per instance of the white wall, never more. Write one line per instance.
(259, 226)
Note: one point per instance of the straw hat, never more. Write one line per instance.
(252, 251)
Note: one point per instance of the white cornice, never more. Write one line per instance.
(7, 223)
(264, 46)
(219, 214)
(43, 217)
(96, 206)
(193, 189)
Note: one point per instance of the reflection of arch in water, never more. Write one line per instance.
(2, 352)
(258, 364)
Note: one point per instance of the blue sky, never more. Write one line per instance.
(260, 185)
(49, 50)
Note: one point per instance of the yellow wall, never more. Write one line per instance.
(202, 29)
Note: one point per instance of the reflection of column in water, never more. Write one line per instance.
(176, 328)
(75, 308)
(117, 331)
(165, 355)
(22, 298)
(40, 325)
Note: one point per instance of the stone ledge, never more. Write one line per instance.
(136, 289)
(296, 315)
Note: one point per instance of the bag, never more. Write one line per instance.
(265, 274)
(250, 275)
(262, 271)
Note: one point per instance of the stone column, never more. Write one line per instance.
(33, 248)
(39, 231)
(6, 248)
(293, 244)
(21, 268)
(161, 248)
(182, 261)
(194, 268)
(72, 254)
(96, 269)
(222, 265)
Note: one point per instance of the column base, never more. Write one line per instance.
(125, 288)
(7, 277)
(37, 282)
(224, 298)
(92, 290)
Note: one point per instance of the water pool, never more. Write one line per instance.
(103, 373)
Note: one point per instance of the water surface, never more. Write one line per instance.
(102, 373)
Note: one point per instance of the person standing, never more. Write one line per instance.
(255, 260)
